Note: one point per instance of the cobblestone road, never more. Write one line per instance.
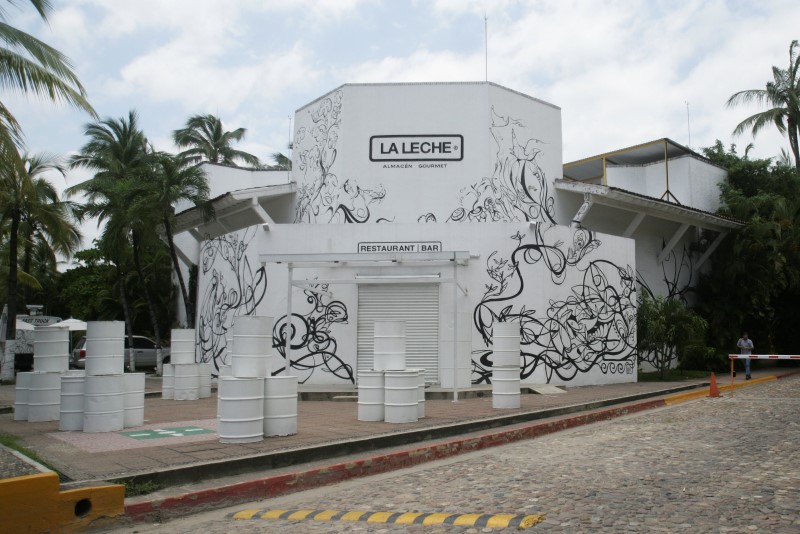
(712, 465)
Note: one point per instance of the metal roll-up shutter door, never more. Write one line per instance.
(418, 306)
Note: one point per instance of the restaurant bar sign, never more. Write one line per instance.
(403, 246)
(416, 148)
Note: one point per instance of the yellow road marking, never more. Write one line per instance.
(379, 517)
(435, 519)
(500, 520)
(300, 514)
(246, 514)
(352, 516)
(530, 520)
(325, 515)
(273, 514)
(407, 518)
(466, 520)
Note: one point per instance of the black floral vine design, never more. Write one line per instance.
(591, 328)
(322, 195)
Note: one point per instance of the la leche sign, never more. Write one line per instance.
(416, 148)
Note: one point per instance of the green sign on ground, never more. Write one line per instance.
(166, 432)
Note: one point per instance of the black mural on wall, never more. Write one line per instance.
(322, 196)
(235, 289)
(313, 345)
(593, 328)
(678, 274)
(517, 190)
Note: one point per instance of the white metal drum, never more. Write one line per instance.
(389, 346)
(72, 393)
(50, 349)
(21, 391)
(506, 345)
(241, 418)
(370, 396)
(104, 403)
(505, 387)
(167, 382)
(280, 406)
(105, 348)
(252, 339)
(224, 370)
(133, 402)
(205, 379)
(401, 393)
(182, 347)
(44, 397)
(186, 384)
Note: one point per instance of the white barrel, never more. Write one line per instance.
(21, 390)
(389, 348)
(506, 345)
(224, 370)
(105, 348)
(401, 394)
(133, 401)
(104, 403)
(228, 346)
(505, 387)
(72, 393)
(280, 406)
(205, 379)
(241, 418)
(252, 337)
(44, 397)
(167, 382)
(186, 385)
(420, 392)
(50, 349)
(370, 395)
(182, 348)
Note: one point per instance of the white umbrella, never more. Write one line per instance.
(72, 324)
(22, 325)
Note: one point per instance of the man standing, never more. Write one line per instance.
(745, 349)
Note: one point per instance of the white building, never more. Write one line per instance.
(447, 205)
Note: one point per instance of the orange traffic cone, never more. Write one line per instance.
(713, 391)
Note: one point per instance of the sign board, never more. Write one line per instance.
(416, 148)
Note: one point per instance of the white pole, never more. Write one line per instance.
(288, 347)
(455, 330)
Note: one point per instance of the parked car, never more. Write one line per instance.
(144, 350)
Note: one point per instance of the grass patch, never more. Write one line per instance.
(12, 442)
(673, 375)
(134, 488)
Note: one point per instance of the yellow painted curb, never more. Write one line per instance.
(705, 392)
(35, 503)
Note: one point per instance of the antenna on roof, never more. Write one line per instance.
(688, 124)
(486, 43)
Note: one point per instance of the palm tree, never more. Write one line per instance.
(28, 65)
(31, 210)
(174, 180)
(117, 152)
(782, 93)
(205, 140)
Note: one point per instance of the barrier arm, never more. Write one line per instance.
(759, 357)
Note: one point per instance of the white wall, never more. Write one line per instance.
(573, 290)
(509, 141)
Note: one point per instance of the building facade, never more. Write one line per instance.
(447, 206)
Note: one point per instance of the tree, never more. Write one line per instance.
(204, 139)
(117, 152)
(171, 181)
(782, 94)
(36, 217)
(667, 331)
(754, 283)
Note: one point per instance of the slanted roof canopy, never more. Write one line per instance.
(232, 211)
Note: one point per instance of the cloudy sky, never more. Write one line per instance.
(621, 71)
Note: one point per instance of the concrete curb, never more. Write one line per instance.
(287, 458)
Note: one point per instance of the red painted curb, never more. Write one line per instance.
(302, 480)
